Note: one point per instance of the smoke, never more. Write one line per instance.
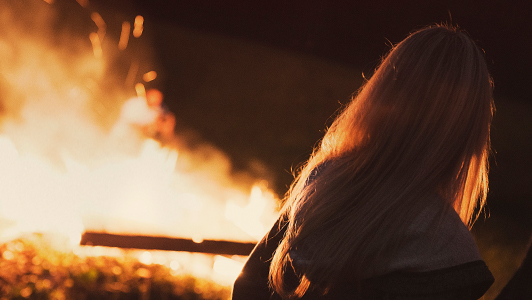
(83, 146)
(52, 90)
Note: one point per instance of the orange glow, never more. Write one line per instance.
(141, 91)
(96, 45)
(154, 97)
(83, 3)
(227, 267)
(149, 76)
(124, 36)
(78, 154)
(197, 239)
(100, 23)
(132, 73)
(138, 26)
(248, 218)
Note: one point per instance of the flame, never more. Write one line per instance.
(248, 218)
(79, 153)
(227, 268)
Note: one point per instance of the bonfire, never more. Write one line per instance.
(87, 146)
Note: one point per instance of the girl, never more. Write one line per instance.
(381, 209)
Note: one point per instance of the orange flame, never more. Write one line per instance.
(76, 154)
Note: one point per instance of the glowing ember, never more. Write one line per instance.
(138, 26)
(100, 23)
(83, 3)
(78, 152)
(96, 45)
(124, 36)
(149, 76)
(141, 91)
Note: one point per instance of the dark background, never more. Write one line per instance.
(267, 108)
(356, 34)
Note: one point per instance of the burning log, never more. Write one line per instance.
(165, 243)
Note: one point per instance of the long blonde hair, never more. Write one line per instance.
(419, 127)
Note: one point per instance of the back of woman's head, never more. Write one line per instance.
(420, 126)
(427, 110)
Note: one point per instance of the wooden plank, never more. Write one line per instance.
(165, 243)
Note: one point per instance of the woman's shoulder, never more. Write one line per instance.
(435, 239)
(465, 281)
(437, 256)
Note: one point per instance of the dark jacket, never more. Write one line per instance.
(440, 261)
